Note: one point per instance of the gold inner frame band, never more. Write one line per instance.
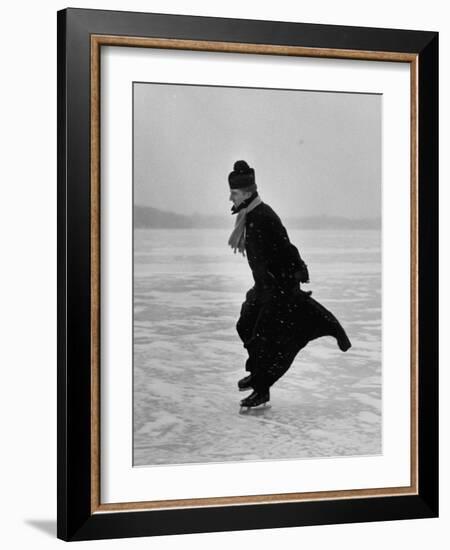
(97, 41)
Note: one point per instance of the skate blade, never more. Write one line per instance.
(245, 389)
(260, 410)
(261, 406)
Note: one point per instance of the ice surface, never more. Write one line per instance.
(188, 290)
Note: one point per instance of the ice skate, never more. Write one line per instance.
(244, 384)
(256, 399)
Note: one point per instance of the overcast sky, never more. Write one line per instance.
(314, 153)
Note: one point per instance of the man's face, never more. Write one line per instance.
(237, 196)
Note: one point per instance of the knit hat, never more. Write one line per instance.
(241, 176)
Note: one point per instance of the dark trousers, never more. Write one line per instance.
(274, 325)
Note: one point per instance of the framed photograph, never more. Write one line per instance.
(247, 274)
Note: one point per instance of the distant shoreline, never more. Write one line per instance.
(147, 217)
(288, 227)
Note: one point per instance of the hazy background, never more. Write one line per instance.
(314, 153)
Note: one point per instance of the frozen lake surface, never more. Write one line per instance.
(188, 290)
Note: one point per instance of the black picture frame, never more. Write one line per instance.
(78, 515)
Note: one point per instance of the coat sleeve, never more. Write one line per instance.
(270, 240)
(275, 239)
(278, 258)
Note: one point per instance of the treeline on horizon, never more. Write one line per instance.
(147, 217)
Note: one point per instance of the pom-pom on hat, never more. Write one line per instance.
(241, 176)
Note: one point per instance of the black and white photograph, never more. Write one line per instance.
(257, 287)
(224, 305)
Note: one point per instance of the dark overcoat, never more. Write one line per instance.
(277, 318)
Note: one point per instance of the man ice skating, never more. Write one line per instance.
(277, 318)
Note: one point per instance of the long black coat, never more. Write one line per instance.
(277, 318)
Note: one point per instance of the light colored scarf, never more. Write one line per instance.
(237, 237)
